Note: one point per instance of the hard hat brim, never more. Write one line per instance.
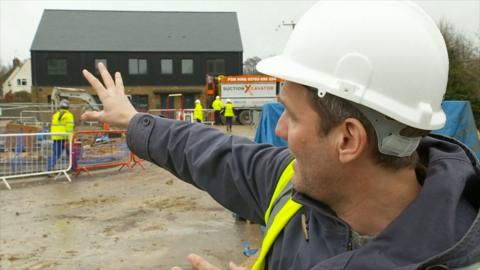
(284, 68)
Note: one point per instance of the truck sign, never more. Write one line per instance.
(249, 91)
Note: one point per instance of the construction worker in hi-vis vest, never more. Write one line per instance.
(62, 122)
(229, 115)
(198, 111)
(217, 107)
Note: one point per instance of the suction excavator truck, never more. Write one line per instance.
(248, 93)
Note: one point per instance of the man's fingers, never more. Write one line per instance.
(107, 79)
(200, 263)
(96, 84)
(119, 82)
(93, 116)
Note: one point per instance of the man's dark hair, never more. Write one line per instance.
(334, 110)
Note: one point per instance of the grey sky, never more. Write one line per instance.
(258, 20)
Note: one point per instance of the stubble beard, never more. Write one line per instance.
(325, 187)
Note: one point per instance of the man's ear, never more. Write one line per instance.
(352, 140)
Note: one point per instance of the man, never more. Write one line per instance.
(198, 112)
(229, 114)
(361, 184)
(62, 121)
(217, 106)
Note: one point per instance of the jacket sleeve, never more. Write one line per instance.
(238, 173)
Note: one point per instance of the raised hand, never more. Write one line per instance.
(117, 109)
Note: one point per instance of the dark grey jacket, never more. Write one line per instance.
(440, 227)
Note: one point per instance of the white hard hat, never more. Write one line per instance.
(64, 103)
(388, 56)
(217, 97)
(228, 100)
(197, 101)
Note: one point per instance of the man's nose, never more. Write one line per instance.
(281, 130)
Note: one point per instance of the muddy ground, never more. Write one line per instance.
(138, 219)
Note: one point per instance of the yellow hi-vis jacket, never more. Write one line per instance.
(217, 105)
(229, 110)
(62, 121)
(279, 212)
(198, 112)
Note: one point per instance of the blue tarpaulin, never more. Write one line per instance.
(266, 127)
(460, 124)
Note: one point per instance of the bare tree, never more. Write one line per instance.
(464, 69)
(3, 73)
(249, 66)
(3, 68)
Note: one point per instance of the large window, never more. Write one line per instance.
(98, 61)
(137, 66)
(166, 66)
(187, 66)
(57, 66)
(215, 66)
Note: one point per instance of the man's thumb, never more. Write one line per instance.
(92, 116)
(233, 266)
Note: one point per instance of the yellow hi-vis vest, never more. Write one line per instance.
(198, 112)
(62, 121)
(279, 212)
(217, 105)
(229, 110)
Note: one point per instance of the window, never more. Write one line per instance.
(137, 66)
(166, 66)
(187, 66)
(20, 82)
(140, 102)
(98, 61)
(215, 66)
(57, 66)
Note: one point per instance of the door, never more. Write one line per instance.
(189, 101)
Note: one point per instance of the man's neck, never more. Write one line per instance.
(375, 198)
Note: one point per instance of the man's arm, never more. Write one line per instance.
(235, 171)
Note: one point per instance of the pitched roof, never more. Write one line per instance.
(140, 31)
